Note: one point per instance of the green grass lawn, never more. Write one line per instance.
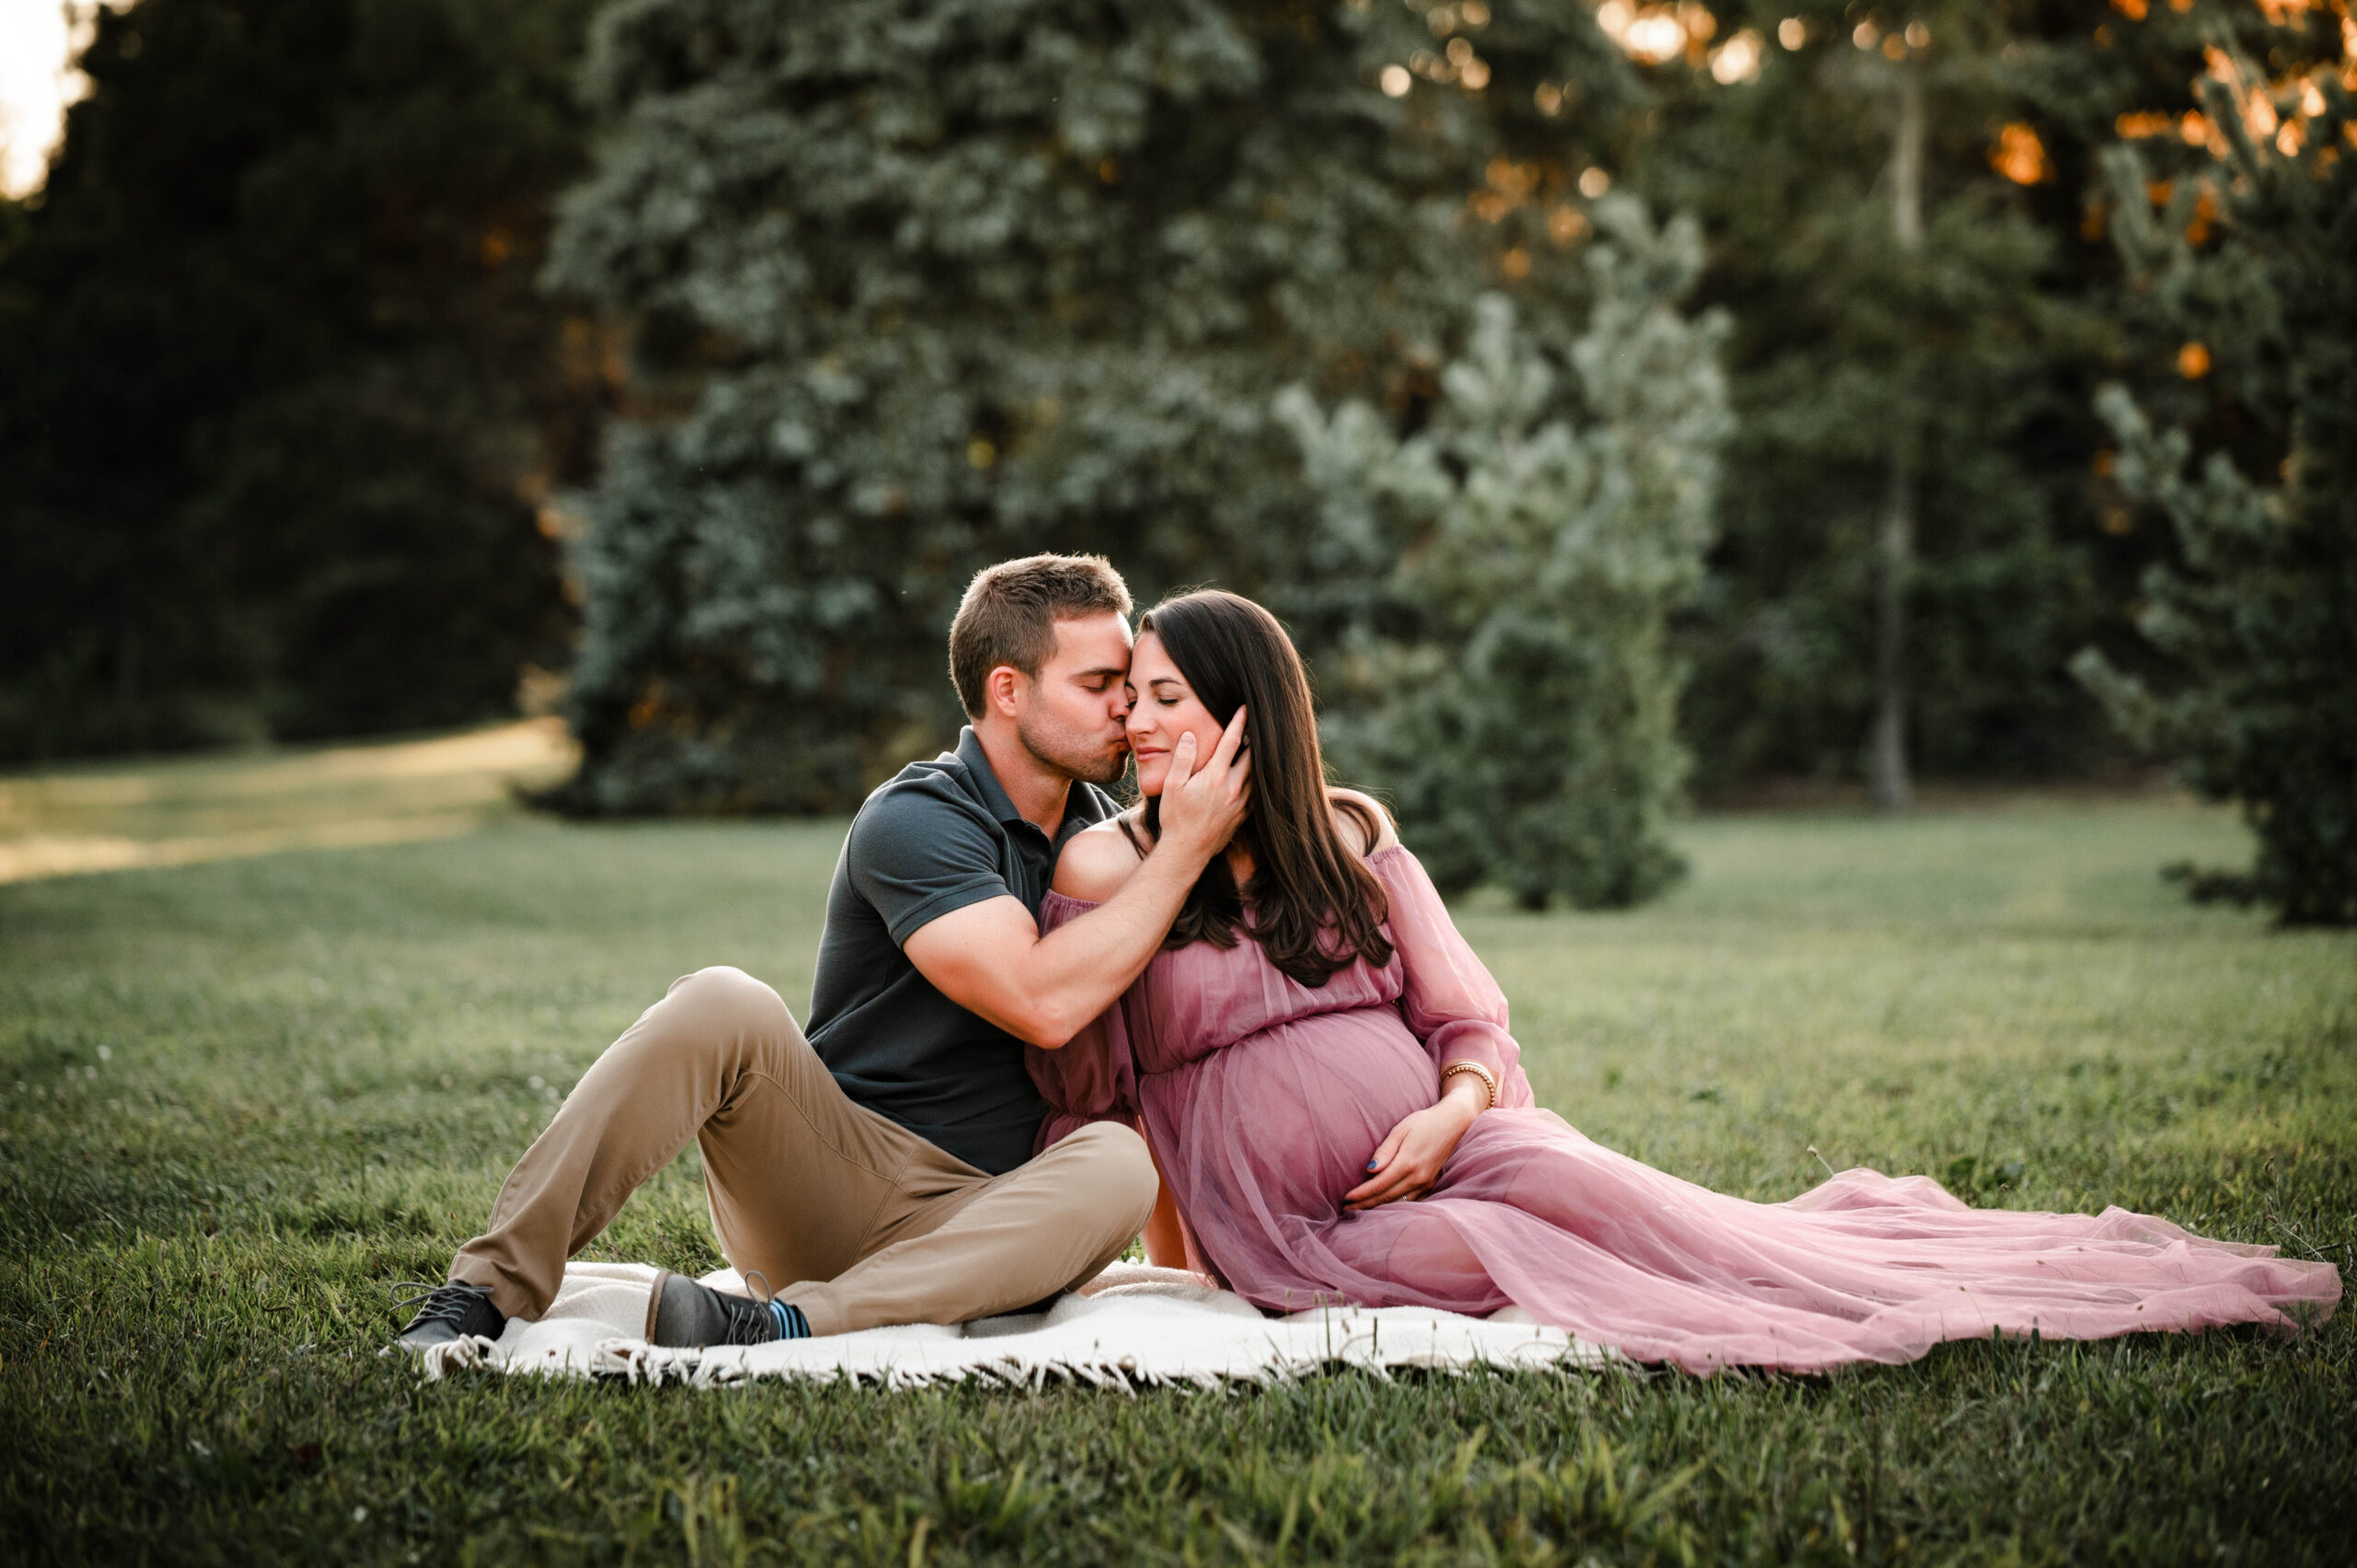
(239, 1099)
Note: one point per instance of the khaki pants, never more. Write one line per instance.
(848, 1215)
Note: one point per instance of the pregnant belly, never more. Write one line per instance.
(1278, 1126)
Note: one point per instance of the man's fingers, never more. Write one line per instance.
(1182, 761)
(1230, 738)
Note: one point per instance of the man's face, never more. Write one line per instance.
(1072, 717)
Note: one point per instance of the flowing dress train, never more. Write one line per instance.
(1263, 1099)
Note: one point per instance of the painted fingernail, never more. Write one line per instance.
(1370, 1164)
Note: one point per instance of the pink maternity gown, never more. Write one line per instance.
(1264, 1098)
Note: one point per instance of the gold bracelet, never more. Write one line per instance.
(1489, 1080)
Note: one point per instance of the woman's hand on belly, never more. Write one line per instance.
(1409, 1160)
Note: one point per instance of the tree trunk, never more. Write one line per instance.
(1893, 790)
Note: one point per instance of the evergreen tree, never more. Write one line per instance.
(2259, 620)
(280, 402)
(919, 286)
(1537, 535)
(1910, 541)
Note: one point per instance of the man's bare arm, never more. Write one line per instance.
(990, 960)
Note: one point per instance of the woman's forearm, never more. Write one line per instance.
(1470, 1093)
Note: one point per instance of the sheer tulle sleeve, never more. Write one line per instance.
(1450, 1002)
(1089, 1079)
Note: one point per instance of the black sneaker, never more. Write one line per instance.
(688, 1316)
(448, 1312)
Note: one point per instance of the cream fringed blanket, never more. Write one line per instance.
(1131, 1325)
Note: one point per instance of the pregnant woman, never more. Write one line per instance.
(1322, 1067)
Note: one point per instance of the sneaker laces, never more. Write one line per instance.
(745, 1328)
(437, 1304)
(784, 1316)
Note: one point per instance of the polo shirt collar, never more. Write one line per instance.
(986, 785)
(1080, 804)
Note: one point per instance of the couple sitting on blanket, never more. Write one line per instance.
(1019, 978)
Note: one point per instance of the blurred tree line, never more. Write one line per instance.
(281, 403)
(1951, 378)
(862, 295)
(941, 284)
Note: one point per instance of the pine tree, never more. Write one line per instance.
(1537, 536)
(2258, 622)
(1908, 551)
(919, 286)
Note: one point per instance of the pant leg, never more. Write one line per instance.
(961, 1246)
(800, 1177)
(842, 1211)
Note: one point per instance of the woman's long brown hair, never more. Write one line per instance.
(1315, 907)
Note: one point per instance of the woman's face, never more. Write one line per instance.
(1161, 708)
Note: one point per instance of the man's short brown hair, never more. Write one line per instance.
(1010, 612)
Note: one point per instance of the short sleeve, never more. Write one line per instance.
(1447, 997)
(915, 854)
(1091, 1077)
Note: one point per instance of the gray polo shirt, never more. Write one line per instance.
(940, 836)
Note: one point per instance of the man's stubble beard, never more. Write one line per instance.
(1075, 758)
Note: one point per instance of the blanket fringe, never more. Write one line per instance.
(1142, 1329)
(636, 1362)
(466, 1351)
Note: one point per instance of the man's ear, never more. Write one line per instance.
(1000, 689)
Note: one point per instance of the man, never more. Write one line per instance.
(881, 1171)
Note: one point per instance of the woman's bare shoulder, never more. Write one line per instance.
(1353, 824)
(1097, 861)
